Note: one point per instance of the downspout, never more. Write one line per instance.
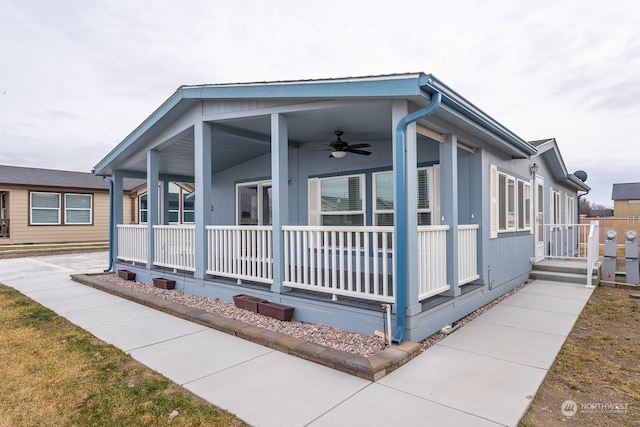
(110, 182)
(401, 220)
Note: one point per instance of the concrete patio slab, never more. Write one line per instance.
(192, 357)
(507, 343)
(529, 319)
(277, 389)
(546, 303)
(145, 331)
(483, 386)
(558, 289)
(108, 313)
(378, 405)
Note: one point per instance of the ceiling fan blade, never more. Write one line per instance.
(351, 150)
(365, 145)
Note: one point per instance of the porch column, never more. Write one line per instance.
(152, 203)
(449, 207)
(202, 141)
(405, 210)
(117, 209)
(280, 188)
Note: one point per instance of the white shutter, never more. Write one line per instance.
(436, 195)
(493, 204)
(314, 201)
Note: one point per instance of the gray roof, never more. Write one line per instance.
(35, 177)
(539, 142)
(626, 191)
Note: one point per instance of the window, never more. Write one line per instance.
(45, 208)
(569, 210)
(341, 201)
(78, 208)
(554, 205)
(383, 197)
(142, 202)
(188, 208)
(174, 203)
(510, 203)
(524, 205)
(255, 203)
(506, 202)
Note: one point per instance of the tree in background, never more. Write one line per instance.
(585, 207)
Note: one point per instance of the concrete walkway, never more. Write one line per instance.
(484, 374)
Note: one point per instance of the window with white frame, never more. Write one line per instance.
(569, 210)
(45, 208)
(78, 208)
(144, 208)
(510, 203)
(254, 203)
(554, 206)
(342, 201)
(383, 197)
(506, 202)
(524, 205)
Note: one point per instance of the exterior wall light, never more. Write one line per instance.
(534, 168)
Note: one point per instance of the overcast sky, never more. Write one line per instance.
(76, 77)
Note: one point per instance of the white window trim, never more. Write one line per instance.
(67, 209)
(525, 184)
(508, 178)
(260, 184)
(569, 209)
(554, 207)
(58, 209)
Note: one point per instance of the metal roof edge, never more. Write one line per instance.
(456, 101)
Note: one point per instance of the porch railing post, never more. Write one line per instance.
(280, 206)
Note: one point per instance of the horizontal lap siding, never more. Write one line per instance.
(22, 232)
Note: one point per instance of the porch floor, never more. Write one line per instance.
(484, 374)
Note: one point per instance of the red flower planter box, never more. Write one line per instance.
(247, 302)
(127, 275)
(164, 283)
(275, 310)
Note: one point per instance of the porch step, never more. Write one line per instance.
(563, 271)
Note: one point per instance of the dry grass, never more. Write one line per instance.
(598, 367)
(55, 374)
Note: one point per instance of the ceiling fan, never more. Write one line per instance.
(340, 148)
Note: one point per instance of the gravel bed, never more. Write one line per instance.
(352, 342)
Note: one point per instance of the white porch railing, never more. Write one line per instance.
(241, 252)
(593, 250)
(467, 253)
(432, 260)
(566, 240)
(174, 246)
(132, 242)
(347, 261)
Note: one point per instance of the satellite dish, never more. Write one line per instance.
(581, 175)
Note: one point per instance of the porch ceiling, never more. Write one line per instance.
(239, 140)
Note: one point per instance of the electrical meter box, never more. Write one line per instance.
(610, 254)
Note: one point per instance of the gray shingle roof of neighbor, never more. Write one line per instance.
(626, 191)
(23, 176)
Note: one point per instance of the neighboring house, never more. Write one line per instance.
(626, 200)
(54, 206)
(424, 202)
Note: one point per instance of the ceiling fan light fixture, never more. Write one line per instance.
(338, 154)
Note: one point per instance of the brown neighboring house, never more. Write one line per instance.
(54, 206)
(626, 200)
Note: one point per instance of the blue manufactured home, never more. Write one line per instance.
(336, 196)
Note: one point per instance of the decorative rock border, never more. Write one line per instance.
(371, 368)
